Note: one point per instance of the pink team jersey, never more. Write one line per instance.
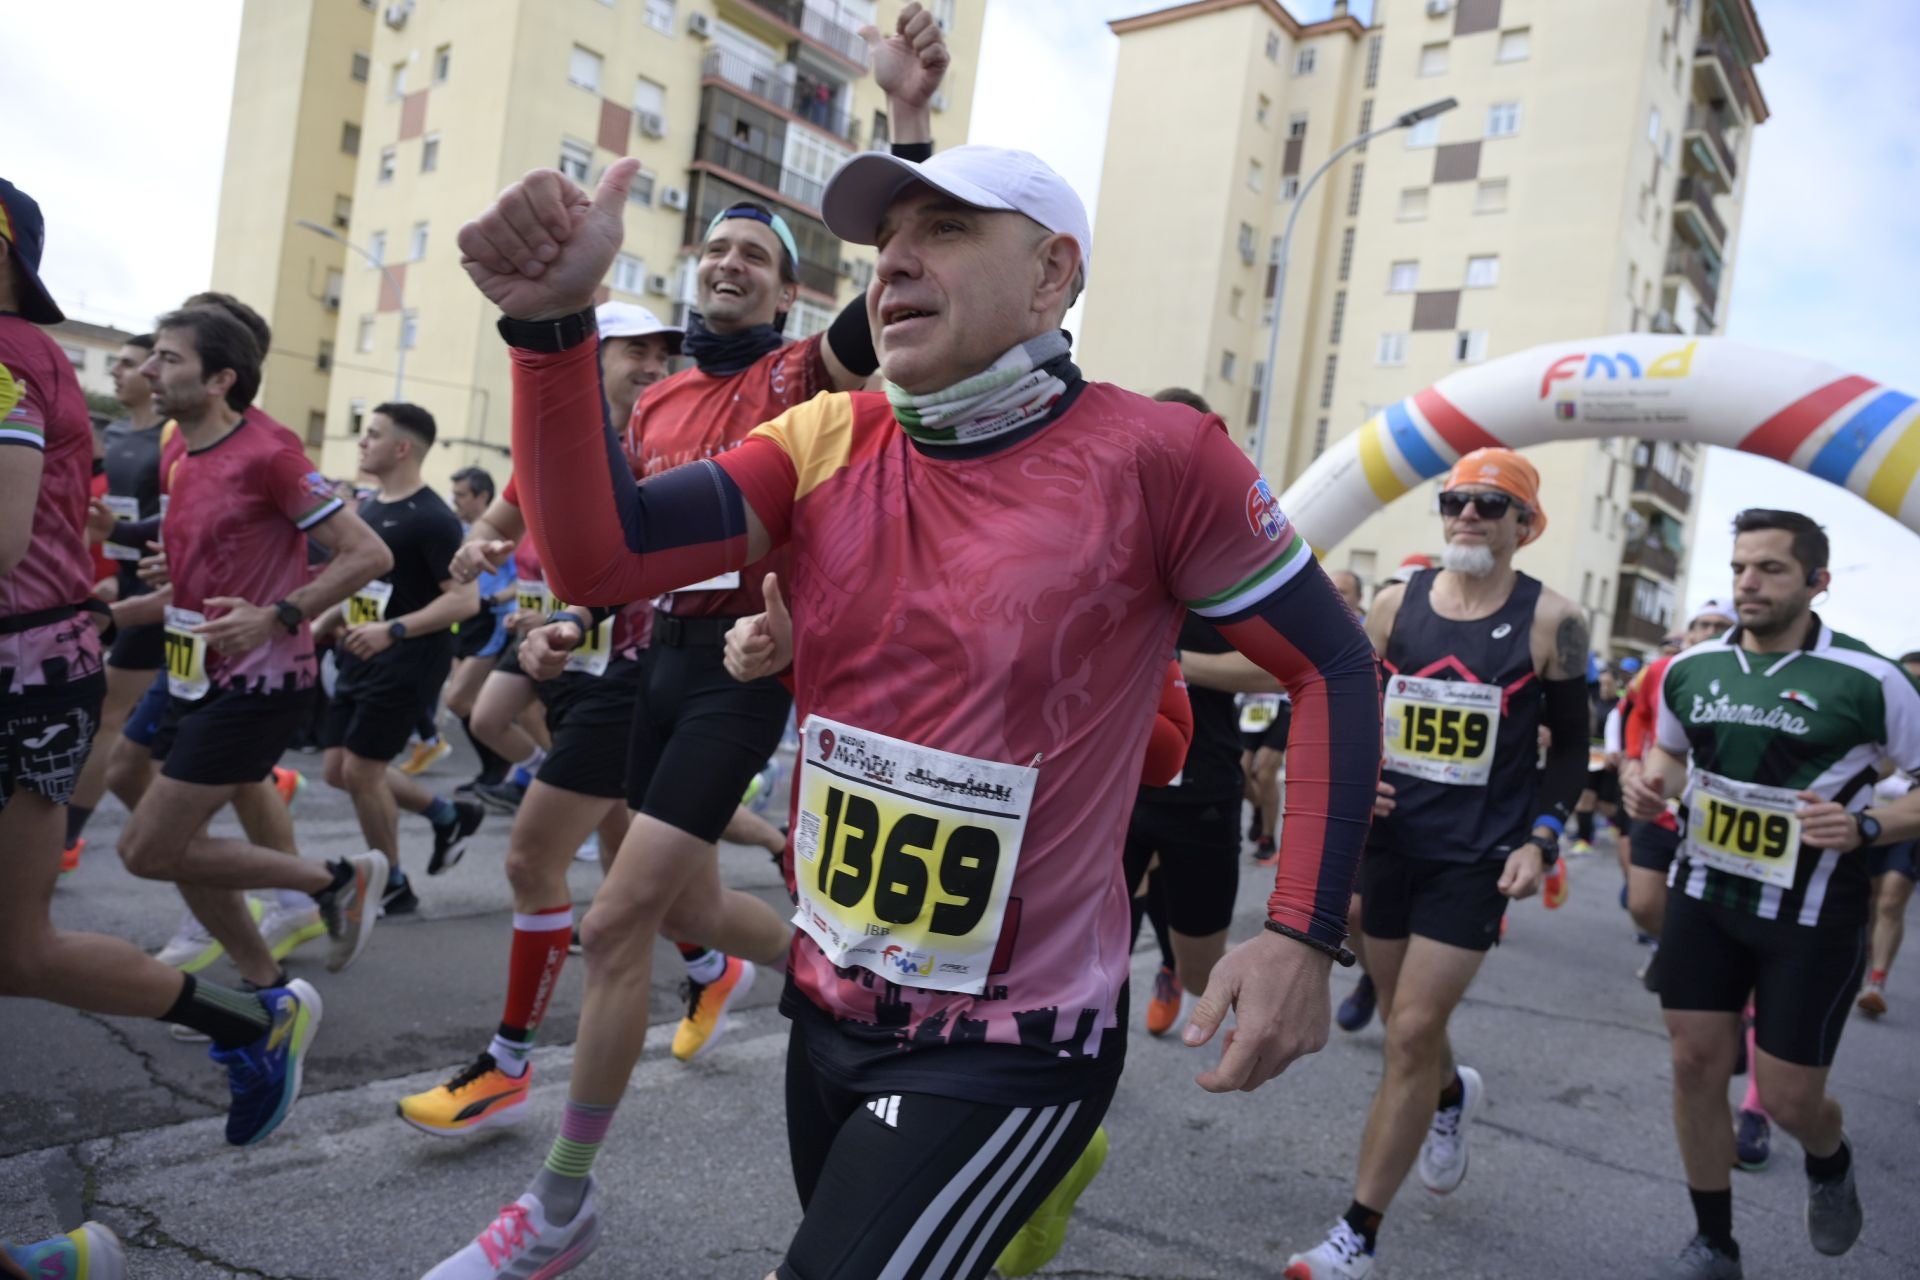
(237, 517)
(42, 408)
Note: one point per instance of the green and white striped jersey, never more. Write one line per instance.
(1761, 726)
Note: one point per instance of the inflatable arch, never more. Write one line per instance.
(1844, 428)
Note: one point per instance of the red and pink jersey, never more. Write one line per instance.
(42, 408)
(238, 513)
(1013, 608)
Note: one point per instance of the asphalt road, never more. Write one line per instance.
(1574, 1173)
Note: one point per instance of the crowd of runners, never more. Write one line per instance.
(1019, 736)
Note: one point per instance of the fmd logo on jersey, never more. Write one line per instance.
(1588, 366)
(914, 964)
(1263, 512)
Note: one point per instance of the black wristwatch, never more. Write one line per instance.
(397, 629)
(290, 616)
(1549, 847)
(1869, 828)
(549, 335)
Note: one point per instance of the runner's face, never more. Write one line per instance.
(173, 371)
(1706, 627)
(130, 387)
(953, 288)
(380, 446)
(629, 366)
(1469, 528)
(467, 504)
(1609, 687)
(738, 277)
(1770, 587)
(1913, 669)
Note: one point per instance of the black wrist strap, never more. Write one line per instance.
(1341, 955)
(549, 336)
(917, 152)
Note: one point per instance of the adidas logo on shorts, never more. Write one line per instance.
(887, 1110)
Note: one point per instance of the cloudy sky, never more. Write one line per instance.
(128, 170)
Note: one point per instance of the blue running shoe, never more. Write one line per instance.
(92, 1252)
(265, 1075)
(1356, 1011)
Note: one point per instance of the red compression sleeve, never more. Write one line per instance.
(1172, 732)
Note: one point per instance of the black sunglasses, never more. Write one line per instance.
(1491, 506)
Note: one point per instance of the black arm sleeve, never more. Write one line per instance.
(135, 533)
(917, 152)
(1566, 772)
(850, 338)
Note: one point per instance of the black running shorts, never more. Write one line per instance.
(589, 718)
(1802, 978)
(1651, 846)
(1458, 903)
(698, 738)
(228, 738)
(916, 1184)
(139, 648)
(1900, 859)
(377, 706)
(1199, 848)
(474, 635)
(45, 735)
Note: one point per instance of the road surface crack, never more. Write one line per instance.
(152, 1236)
(179, 1093)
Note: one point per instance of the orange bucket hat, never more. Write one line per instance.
(1511, 474)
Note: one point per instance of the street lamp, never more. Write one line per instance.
(1405, 120)
(399, 298)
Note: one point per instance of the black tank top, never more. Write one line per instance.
(133, 471)
(1447, 821)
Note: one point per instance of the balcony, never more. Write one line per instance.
(1650, 552)
(1706, 136)
(1722, 74)
(1630, 629)
(798, 17)
(763, 171)
(1648, 483)
(1693, 266)
(799, 97)
(1693, 205)
(1663, 322)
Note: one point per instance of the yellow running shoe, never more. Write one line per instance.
(192, 948)
(1040, 1237)
(425, 756)
(707, 1005)
(479, 1097)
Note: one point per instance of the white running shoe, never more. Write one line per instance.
(192, 948)
(521, 1244)
(285, 928)
(1341, 1256)
(1443, 1156)
(589, 850)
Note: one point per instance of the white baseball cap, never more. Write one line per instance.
(860, 190)
(629, 320)
(1712, 609)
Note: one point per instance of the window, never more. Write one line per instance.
(1256, 176)
(1470, 346)
(1599, 511)
(1246, 243)
(1433, 59)
(356, 416)
(1515, 45)
(417, 243)
(1483, 272)
(442, 63)
(1346, 253)
(659, 16)
(641, 192)
(1262, 110)
(1297, 125)
(365, 340)
(1339, 317)
(1353, 192)
(342, 212)
(376, 249)
(397, 81)
(649, 97)
(1273, 46)
(1586, 589)
(1303, 62)
(943, 13)
(575, 159)
(316, 426)
(1366, 118)
(323, 355)
(1373, 60)
(336, 280)
(1289, 187)
(1666, 47)
(389, 158)
(1413, 203)
(350, 138)
(1255, 386)
(1403, 277)
(1424, 134)
(1392, 349)
(1236, 300)
(1326, 382)
(629, 273)
(409, 330)
(1228, 361)
(1503, 119)
(583, 68)
(76, 356)
(1666, 146)
(362, 66)
(430, 153)
(1490, 196)
(1653, 125)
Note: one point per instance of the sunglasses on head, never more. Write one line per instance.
(1491, 506)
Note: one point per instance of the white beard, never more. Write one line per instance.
(1473, 559)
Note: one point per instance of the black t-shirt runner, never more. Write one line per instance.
(423, 534)
(1212, 771)
(133, 486)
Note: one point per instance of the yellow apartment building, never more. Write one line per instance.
(1589, 182)
(409, 116)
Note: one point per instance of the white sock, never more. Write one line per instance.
(708, 967)
(510, 1056)
(293, 900)
(532, 763)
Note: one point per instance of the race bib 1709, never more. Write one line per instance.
(1744, 829)
(904, 855)
(1441, 730)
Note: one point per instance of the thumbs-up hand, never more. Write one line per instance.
(762, 645)
(542, 248)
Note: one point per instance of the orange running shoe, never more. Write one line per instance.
(707, 1005)
(289, 783)
(70, 856)
(1163, 1007)
(1554, 888)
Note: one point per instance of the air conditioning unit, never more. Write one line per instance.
(939, 100)
(1439, 8)
(659, 284)
(673, 197)
(398, 12)
(652, 124)
(699, 26)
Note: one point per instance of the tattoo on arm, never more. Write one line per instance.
(1570, 646)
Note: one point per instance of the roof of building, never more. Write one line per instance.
(84, 331)
(1294, 28)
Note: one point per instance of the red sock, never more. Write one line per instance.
(1878, 977)
(539, 949)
